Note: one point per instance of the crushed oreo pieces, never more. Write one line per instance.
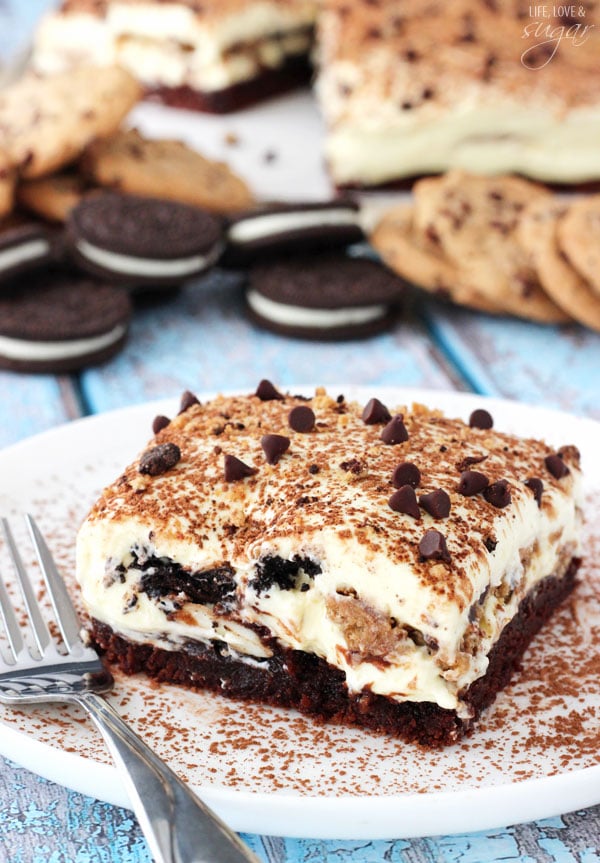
(159, 459)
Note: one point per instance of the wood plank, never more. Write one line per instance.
(202, 340)
(558, 367)
(33, 403)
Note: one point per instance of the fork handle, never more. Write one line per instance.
(178, 826)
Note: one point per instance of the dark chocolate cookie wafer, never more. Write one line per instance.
(146, 242)
(279, 228)
(327, 296)
(24, 247)
(56, 322)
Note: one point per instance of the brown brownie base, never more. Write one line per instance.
(305, 682)
(295, 72)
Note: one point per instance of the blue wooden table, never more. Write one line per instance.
(201, 340)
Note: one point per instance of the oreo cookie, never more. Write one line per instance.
(59, 322)
(328, 296)
(24, 247)
(276, 229)
(146, 242)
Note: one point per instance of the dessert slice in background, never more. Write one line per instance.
(408, 89)
(218, 55)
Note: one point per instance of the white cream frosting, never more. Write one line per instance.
(23, 252)
(303, 316)
(46, 351)
(129, 265)
(256, 227)
(302, 619)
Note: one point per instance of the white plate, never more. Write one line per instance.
(275, 772)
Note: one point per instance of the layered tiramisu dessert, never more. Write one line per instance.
(369, 564)
(409, 88)
(214, 55)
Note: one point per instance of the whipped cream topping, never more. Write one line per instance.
(302, 316)
(46, 351)
(130, 265)
(363, 598)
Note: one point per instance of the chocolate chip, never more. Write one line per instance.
(481, 419)
(433, 546)
(266, 392)
(375, 412)
(556, 466)
(472, 482)
(537, 487)
(274, 446)
(498, 494)
(490, 543)
(395, 431)
(436, 503)
(160, 422)
(301, 419)
(187, 400)
(405, 500)
(235, 469)
(159, 459)
(406, 473)
(314, 468)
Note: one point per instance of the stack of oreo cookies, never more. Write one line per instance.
(304, 275)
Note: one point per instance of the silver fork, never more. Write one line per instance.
(178, 826)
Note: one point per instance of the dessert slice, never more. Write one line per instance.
(218, 55)
(416, 88)
(378, 566)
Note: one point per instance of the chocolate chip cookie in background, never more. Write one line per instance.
(326, 296)
(53, 197)
(57, 322)
(285, 227)
(47, 122)
(539, 235)
(142, 242)
(128, 162)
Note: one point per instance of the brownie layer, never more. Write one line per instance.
(295, 72)
(291, 678)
